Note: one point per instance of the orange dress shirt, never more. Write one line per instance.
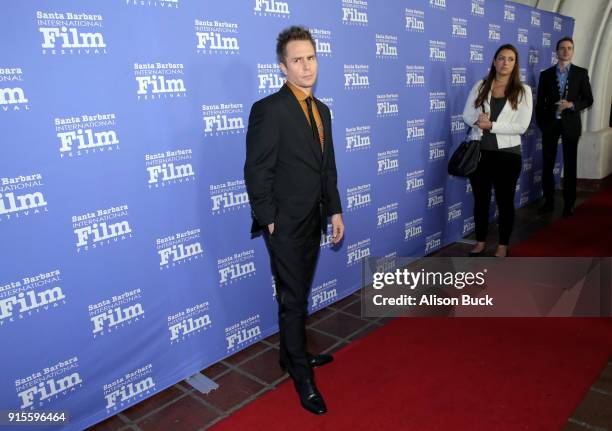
(301, 97)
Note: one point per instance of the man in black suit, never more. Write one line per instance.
(290, 174)
(563, 91)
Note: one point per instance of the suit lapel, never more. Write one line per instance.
(296, 112)
(571, 78)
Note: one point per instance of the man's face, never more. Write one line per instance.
(300, 66)
(565, 51)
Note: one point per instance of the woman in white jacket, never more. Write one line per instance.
(499, 111)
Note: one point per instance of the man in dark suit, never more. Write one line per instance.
(290, 174)
(563, 91)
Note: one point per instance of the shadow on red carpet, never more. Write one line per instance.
(586, 233)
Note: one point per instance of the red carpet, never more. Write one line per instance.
(448, 374)
(463, 373)
(587, 233)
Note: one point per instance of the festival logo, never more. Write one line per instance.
(12, 93)
(115, 312)
(437, 151)
(216, 37)
(494, 33)
(171, 167)
(357, 251)
(415, 129)
(358, 197)
(129, 388)
(31, 296)
(476, 53)
(457, 124)
(387, 215)
(228, 196)
(387, 162)
(478, 8)
(356, 76)
(433, 242)
(386, 47)
(535, 18)
(458, 76)
(159, 81)
(437, 50)
(415, 20)
(236, 267)
(179, 248)
(323, 41)
(86, 134)
(324, 294)
(459, 28)
(415, 180)
(454, 212)
(355, 12)
(468, 225)
(22, 196)
(242, 333)
(387, 105)
(437, 101)
(509, 12)
(269, 78)
(223, 119)
(67, 33)
(101, 227)
(272, 8)
(193, 320)
(435, 197)
(358, 138)
(56, 381)
(413, 229)
(522, 36)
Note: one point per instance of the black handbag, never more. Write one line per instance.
(464, 160)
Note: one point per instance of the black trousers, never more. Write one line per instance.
(500, 170)
(294, 250)
(550, 139)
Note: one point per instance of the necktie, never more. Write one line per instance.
(313, 123)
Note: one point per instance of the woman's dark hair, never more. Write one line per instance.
(513, 90)
(288, 35)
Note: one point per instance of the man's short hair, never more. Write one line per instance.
(290, 34)
(564, 39)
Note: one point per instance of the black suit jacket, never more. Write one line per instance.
(578, 91)
(286, 173)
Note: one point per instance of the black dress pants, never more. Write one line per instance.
(500, 170)
(550, 140)
(294, 250)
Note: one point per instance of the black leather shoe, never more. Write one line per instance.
(313, 361)
(310, 397)
(476, 253)
(319, 360)
(548, 207)
(568, 211)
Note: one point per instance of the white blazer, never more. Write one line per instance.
(510, 124)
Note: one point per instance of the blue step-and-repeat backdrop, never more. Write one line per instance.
(127, 263)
